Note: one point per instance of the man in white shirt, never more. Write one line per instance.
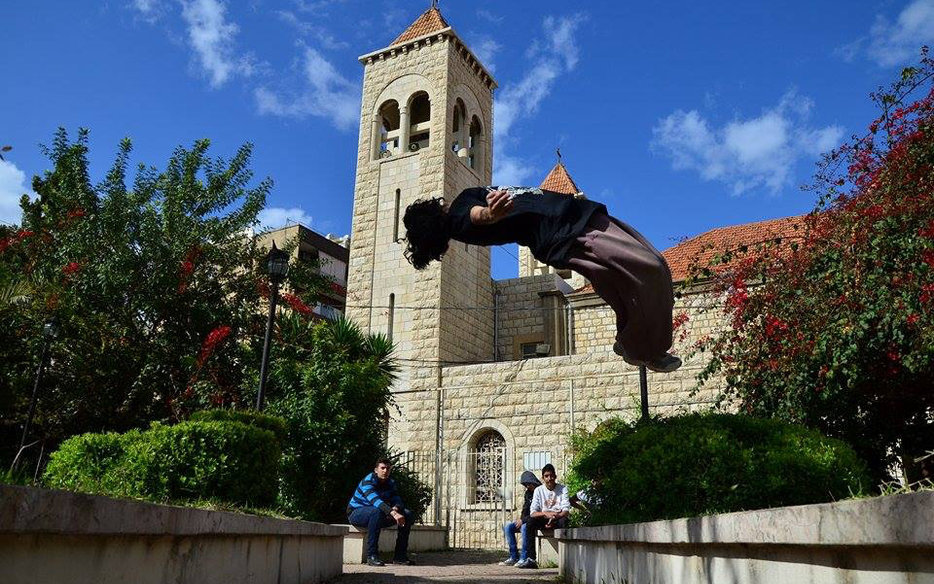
(550, 509)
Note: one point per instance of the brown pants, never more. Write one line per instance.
(633, 277)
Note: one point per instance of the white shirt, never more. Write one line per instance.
(553, 501)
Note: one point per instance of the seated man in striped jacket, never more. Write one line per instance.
(375, 505)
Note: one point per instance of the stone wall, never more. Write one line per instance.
(444, 313)
(524, 316)
(885, 540)
(51, 537)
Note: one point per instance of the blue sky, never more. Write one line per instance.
(681, 116)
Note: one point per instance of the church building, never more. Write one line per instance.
(495, 375)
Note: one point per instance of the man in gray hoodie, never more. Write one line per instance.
(530, 482)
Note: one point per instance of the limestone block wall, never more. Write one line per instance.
(535, 405)
(594, 324)
(377, 267)
(523, 316)
(444, 313)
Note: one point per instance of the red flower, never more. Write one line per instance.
(76, 213)
(928, 257)
(296, 303)
(913, 319)
(214, 338)
(927, 292)
(5, 243)
(679, 320)
(71, 268)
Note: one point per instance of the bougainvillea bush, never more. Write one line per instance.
(835, 328)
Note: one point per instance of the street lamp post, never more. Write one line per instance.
(277, 266)
(49, 332)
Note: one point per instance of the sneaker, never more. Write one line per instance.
(666, 364)
(619, 350)
(527, 563)
(374, 561)
(508, 562)
(403, 562)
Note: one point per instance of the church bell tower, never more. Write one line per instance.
(426, 126)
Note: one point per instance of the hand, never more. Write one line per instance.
(500, 204)
(399, 517)
(518, 523)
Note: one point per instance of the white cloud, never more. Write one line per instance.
(745, 154)
(212, 38)
(275, 217)
(327, 40)
(559, 54)
(895, 43)
(327, 94)
(485, 50)
(552, 56)
(12, 188)
(511, 170)
(489, 16)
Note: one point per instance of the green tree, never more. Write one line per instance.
(157, 287)
(331, 384)
(839, 332)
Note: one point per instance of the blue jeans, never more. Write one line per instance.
(510, 530)
(374, 520)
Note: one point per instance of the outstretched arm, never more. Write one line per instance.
(499, 205)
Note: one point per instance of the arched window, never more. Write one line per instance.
(458, 129)
(475, 143)
(488, 458)
(420, 120)
(388, 129)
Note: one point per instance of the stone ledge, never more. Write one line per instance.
(896, 520)
(29, 510)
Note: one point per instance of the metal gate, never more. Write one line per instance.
(480, 496)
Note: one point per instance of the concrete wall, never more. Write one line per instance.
(885, 540)
(422, 538)
(51, 537)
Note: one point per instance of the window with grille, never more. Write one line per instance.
(489, 467)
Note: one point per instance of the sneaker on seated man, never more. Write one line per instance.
(550, 509)
(530, 482)
(375, 505)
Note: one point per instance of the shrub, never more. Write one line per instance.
(714, 463)
(274, 424)
(415, 494)
(218, 460)
(94, 463)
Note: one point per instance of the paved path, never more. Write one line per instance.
(457, 566)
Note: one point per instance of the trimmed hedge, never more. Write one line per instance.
(224, 461)
(702, 464)
(274, 424)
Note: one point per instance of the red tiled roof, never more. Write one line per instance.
(560, 181)
(702, 248)
(430, 21)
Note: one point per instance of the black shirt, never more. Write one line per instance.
(545, 222)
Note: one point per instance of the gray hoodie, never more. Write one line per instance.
(528, 478)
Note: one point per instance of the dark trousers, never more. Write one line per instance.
(374, 520)
(531, 527)
(634, 279)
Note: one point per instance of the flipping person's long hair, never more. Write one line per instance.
(427, 232)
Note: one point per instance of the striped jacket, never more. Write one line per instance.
(370, 493)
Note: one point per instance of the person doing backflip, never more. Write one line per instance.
(564, 232)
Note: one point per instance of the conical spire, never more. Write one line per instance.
(560, 181)
(430, 21)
